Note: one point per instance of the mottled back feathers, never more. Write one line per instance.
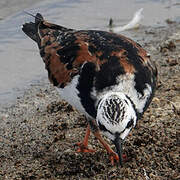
(66, 51)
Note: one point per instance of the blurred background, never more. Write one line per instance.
(20, 63)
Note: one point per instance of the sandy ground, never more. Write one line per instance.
(38, 132)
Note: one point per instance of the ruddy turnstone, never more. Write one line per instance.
(107, 77)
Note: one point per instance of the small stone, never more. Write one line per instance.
(168, 45)
(172, 61)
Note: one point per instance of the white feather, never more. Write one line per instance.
(126, 85)
(134, 23)
(129, 113)
(70, 94)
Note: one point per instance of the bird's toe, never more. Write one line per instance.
(83, 148)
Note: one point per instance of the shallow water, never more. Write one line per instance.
(20, 63)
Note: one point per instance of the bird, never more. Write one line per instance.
(107, 77)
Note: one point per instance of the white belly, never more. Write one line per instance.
(70, 94)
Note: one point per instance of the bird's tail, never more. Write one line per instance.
(38, 29)
(31, 29)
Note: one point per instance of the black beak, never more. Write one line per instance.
(118, 143)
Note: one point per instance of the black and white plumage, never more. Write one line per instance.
(112, 110)
(107, 77)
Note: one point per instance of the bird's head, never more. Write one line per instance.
(115, 117)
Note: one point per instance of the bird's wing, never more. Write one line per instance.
(64, 54)
(65, 51)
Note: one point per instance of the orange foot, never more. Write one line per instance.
(84, 148)
(114, 157)
(125, 158)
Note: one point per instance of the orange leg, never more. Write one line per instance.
(83, 146)
(112, 155)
